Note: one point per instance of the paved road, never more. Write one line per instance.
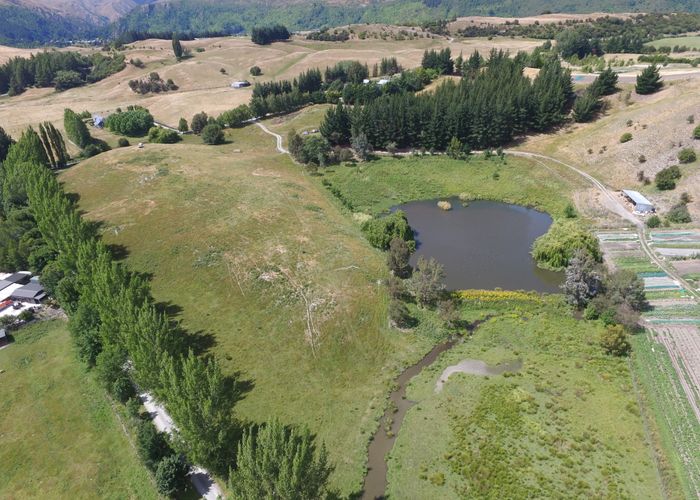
(201, 479)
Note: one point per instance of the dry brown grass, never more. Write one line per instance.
(463, 22)
(659, 128)
(203, 87)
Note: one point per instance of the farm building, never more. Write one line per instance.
(33, 293)
(98, 121)
(641, 204)
(14, 279)
(241, 84)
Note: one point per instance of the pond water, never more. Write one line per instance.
(483, 245)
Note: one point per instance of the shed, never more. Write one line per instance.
(33, 293)
(641, 204)
(98, 121)
(240, 84)
(15, 279)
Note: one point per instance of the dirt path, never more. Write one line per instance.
(278, 137)
(201, 479)
(613, 204)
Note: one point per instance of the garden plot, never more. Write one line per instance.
(676, 244)
(683, 345)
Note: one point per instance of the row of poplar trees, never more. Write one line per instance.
(113, 319)
(487, 110)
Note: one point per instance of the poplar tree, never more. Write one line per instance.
(177, 47)
(274, 461)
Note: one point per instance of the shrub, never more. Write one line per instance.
(626, 137)
(614, 341)
(399, 314)
(379, 232)
(171, 475)
(212, 134)
(642, 159)
(653, 221)
(679, 214)
(160, 135)
(122, 389)
(182, 125)
(65, 80)
(255, 71)
(687, 155)
(666, 178)
(554, 249)
(151, 444)
(569, 211)
(123, 142)
(696, 132)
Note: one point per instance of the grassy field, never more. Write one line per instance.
(251, 251)
(692, 42)
(376, 186)
(60, 436)
(567, 425)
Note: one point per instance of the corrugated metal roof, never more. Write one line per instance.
(637, 197)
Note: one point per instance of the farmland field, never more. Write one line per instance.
(60, 435)
(692, 42)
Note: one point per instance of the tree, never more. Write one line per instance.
(625, 287)
(212, 134)
(679, 214)
(28, 149)
(426, 281)
(134, 122)
(556, 247)
(361, 146)
(398, 256)
(255, 71)
(263, 35)
(336, 125)
(198, 122)
(279, 462)
(381, 231)
(65, 80)
(614, 340)
(586, 107)
(447, 309)
(5, 142)
(455, 149)
(583, 280)
(177, 47)
(649, 80)
(84, 325)
(171, 475)
(573, 42)
(76, 129)
(182, 125)
(295, 144)
(605, 83)
(200, 400)
(160, 135)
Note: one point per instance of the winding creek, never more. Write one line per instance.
(482, 245)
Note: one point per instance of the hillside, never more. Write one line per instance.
(93, 10)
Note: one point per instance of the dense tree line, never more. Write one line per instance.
(264, 35)
(60, 69)
(325, 35)
(608, 34)
(439, 61)
(112, 315)
(489, 110)
(589, 103)
(152, 83)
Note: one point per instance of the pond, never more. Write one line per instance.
(483, 245)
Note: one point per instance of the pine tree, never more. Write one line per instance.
(5, 142)
(649, 80)
(177, 47)
(585, 107)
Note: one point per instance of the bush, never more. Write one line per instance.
(554, 249)
(666, 178)
(399, 314)
(171, 475)
(123, 142)
(152, 445)
(379, 232)
(122, 389)
(653, 221)
(679, 214)
(182, 125)
(696, 132)
(626, 137)
(158, 135)
(134, 122)
(614, 341)
(569, 211)
(687, 155)
(255, 71)
(212, 134)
